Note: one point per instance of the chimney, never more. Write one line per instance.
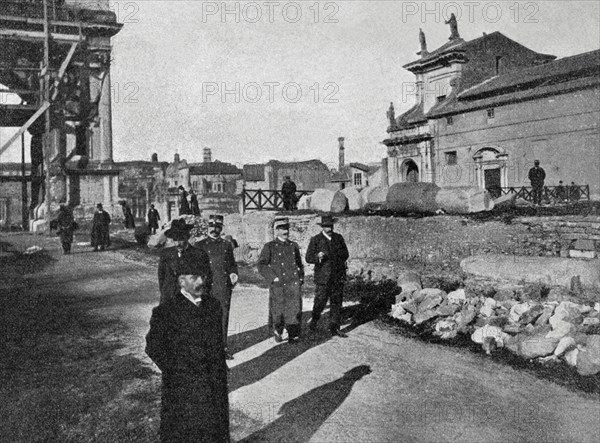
(341, 142)
(207, 155)
(154, 158)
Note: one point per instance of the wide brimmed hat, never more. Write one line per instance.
(281, 222)
(327, 220)
(191, 267)
(179, 230)
(215, 220)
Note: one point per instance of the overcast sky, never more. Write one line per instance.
(283, 80)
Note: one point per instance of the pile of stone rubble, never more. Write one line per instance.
(550, 330)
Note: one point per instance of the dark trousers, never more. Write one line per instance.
(538, 191)
(334, 292)
(225, 306)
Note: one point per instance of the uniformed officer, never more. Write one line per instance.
(224, 269)
(280, 263)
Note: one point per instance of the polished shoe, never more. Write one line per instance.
(312, 324)
(277, 336)
(293, 340)
(228, 354)
(339, 333)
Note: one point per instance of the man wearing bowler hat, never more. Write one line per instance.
(328, 252)
(172, 257)
(280, 264)
(185, 342)
(224, 269)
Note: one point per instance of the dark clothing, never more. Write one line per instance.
(168, 264)
(288, 191)
(153, 218)
(561, 193)
(184, 207)
(222, 264)
(66, 225)
(129, 220)
(186, 344)
(330, 274)
(574, 193)
(100, 230)
(194, 208)
(283, 260)
(537, 176)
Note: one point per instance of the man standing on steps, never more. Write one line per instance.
(280, 264)
(172, 257)
(328, 252)
(224, 269)
(537, 175)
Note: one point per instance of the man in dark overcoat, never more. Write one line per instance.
(65, 225)
(328, 252)
(100, 229)
(288, 193)
(185, 341)
(172, 257)
(537, 175)
(194, 207)
(280, 264)
(184, 206)
(224, 269)
(153, 218)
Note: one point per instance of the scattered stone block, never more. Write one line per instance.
(487, 310)
(565, 344)
(574, 253)
(464, 200)
(571, 357)
(584, 245)
(413, 197)
(457, 297)
(588, 359)
(353, 197)
(537, 346)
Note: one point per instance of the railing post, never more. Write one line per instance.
(260, 200)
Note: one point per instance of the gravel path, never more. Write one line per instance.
(374, 386)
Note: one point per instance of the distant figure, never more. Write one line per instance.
(537, 176)
(129, 220)
(560, 192)
(280, 264)
(195, 209)
(184, 207)
(153, 218)
(574, 192)
(100, 229)
(288, 191)
(453, 27)
(65, 225)
(391, 115)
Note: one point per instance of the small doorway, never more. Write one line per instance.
(492, 182)
(411, 172)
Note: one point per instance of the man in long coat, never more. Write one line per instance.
(328, 252)
(65, 225)
(224, 269)
(537, 175)
(153, 218)
(172, 257)
(100, 229)
(185, 341)
(280, 264)
(194, 208)
(184, 206)
(288, 193)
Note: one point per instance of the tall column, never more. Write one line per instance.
(105, 114)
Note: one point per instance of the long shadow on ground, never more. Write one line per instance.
(304, 415)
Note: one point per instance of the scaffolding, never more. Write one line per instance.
(55, 58)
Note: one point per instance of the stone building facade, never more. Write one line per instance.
(487, 108)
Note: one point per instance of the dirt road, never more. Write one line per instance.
(374, 386)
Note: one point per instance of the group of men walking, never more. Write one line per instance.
(188, 329)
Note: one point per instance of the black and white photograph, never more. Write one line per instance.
(299, 221)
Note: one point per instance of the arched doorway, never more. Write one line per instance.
(410, 171)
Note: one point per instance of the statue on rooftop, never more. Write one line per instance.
(453, 27)
(391, 115)
(423, 42)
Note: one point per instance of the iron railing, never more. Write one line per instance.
(266, 200)
(550, 194)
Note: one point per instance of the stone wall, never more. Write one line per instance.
(568, 236)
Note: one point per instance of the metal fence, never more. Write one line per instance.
(550, 194)
(266, 200)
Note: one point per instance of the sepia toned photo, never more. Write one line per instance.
(299, 221)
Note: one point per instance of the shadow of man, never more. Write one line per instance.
(303, 416)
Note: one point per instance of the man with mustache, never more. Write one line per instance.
(172, 257)
(185, 342)
(224, 269)
(280, 264)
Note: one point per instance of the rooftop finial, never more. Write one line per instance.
(423, 43)
(453, 27)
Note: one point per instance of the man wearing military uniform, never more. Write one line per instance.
(224, 269)
(280, 264)
(172, 257)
